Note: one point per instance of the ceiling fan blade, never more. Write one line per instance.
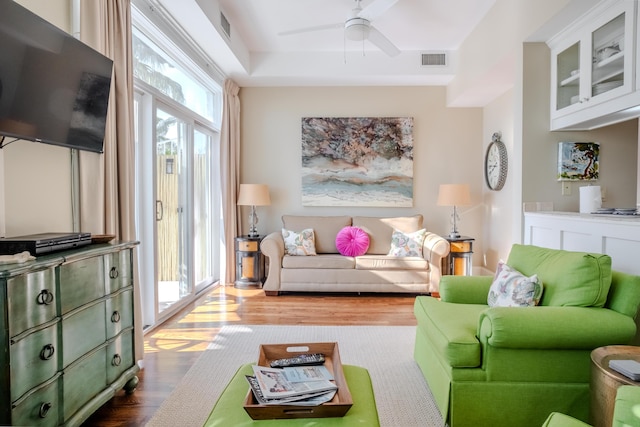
(375, 9)
(383, 43)
(309, 29)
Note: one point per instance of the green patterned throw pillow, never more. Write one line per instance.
(510, 288)
(302, 243)
(407, 244)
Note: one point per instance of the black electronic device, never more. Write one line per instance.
(300, 360)
(39, 244)
(55, 89)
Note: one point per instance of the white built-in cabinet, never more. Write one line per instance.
(594, 66)
(615, 235)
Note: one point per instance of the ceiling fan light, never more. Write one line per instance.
(357, 29)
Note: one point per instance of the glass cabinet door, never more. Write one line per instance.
(593, 61)
(608, 56)
(568, 77)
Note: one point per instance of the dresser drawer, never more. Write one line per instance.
(32, 300)
(119, 355)
(81, 282)
(39, 408)
(118, 270)
(119, 312)
(82, 331)
(83, 380)
(34, 359)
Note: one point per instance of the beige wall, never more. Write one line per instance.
(447, 148)
(36, 177)
(487, 66)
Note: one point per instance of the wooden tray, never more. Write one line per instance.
(337, 407)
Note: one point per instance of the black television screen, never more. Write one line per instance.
(53, 88)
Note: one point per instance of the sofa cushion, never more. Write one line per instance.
(383, 262)
(302, 243)
(570, 278)
(352, 241)
(380, 230)
(326, 229)
(407, 244)
(452, 329)
(510, 288)
(320, 261)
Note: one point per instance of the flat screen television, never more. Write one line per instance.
(53, 88)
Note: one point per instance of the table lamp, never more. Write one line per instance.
(454, 195)
(253, 195)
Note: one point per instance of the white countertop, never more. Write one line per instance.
(633, 219)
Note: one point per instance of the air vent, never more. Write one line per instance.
(226, 27)
(434, 59)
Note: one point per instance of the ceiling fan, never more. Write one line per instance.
(358, 26)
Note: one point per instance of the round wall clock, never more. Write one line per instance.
(495, 163)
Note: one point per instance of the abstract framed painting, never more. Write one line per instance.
(357, 161)
(578, 161)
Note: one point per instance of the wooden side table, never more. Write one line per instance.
(249, 261)
(605, 381)
(459, 260)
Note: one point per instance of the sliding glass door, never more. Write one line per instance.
(178, 112)
(171, 184)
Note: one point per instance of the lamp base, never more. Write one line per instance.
(454, 235)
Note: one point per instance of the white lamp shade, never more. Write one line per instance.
(454, 195)
(254, 195)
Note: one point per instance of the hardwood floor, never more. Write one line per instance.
(171, 349)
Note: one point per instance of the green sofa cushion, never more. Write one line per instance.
(624, 295)
(569, 278)
(625, 412)
(455, 339)
(556, 419)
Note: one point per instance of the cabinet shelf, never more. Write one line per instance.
(613, 58)
(572, 80)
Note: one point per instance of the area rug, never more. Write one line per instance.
(402, 395)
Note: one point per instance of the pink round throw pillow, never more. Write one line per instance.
(352, 241)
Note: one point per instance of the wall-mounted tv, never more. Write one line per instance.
(53, 88)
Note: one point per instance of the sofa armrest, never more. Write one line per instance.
(465, 289)
(579, 328)
(272, 247)
(434, 249)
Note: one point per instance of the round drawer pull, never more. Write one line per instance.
(117, 360)
(44, 409)
(44, 297)
(115, 317)
(47, 352)
(113, 273)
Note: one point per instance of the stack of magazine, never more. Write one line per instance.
(299, 385)
(628, 368)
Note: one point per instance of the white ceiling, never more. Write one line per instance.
(257, 55)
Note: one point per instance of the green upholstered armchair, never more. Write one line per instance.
(626, 412)
(513, 366)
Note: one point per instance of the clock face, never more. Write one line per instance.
(496, 165)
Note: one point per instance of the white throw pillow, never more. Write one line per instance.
(302, 243)
(510, 288)
(407, 244)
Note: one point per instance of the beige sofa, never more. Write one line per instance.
(375, 271)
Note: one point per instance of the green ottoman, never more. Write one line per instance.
(228, 411)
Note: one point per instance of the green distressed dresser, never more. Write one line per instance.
(66, 334)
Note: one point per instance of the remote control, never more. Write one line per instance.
(301, 360)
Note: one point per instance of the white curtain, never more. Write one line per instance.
(107, 181)
(230, 173)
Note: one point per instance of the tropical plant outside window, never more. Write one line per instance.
(156, 68)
